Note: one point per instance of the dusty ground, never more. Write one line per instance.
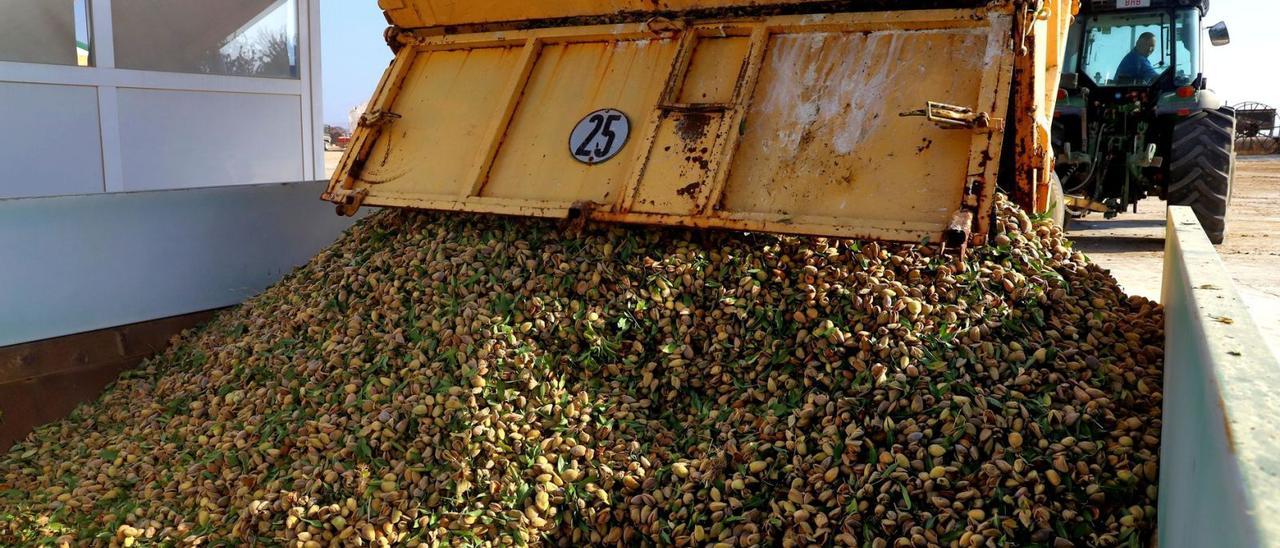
(331, 158)
(1132, 245)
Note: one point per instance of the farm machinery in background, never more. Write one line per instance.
(1256, 131)
(1135, 116)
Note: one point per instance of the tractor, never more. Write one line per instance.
(1135, 116)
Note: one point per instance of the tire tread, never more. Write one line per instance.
(1201, 170)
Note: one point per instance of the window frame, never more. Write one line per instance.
(1078, 45)
(298, 25)
(107, 79)
(1091, 23)
(78, 8)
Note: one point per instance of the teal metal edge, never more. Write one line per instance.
(1220, 447)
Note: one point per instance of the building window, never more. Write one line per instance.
(233, 37)
(54, 32)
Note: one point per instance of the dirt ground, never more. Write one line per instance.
(331, 158)
(1132, 245)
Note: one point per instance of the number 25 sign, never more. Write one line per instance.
(599, 136)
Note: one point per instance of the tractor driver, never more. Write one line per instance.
(1136, 67)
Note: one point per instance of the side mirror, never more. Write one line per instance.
(1218, 34)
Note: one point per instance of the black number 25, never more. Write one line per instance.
(602, 125)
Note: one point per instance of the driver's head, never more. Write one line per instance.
(1146, 44)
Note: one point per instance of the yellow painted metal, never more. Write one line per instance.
(1046, 48)
(1085, 203)
(533, 160)
(436, 13)
(443, 123)
(826, 138)
(788, 124)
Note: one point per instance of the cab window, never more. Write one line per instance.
(1186, 46)
(1112, 54)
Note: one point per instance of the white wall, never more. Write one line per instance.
(133, 195)
(73, 130)
(202, 138)
(78, 263)
(50, 140)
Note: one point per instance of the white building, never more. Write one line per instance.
(353, 115)
(170, 170)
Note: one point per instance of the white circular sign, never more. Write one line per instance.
(599, 136)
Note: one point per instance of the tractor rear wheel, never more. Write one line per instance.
(1202, 167)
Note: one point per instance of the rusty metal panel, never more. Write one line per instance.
(823, 136)
(790, 124)
(675, 180)
(693, 122)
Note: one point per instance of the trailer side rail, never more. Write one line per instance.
(1220, 457)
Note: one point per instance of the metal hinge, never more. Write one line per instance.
(348, 200)
(662, 27)
(956, 117)
(397, 38)
(1024, 22)
(376, 118)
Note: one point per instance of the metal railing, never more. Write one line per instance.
(1220, 451)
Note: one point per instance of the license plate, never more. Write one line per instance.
(1125, 4)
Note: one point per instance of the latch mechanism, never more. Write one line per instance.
(373, 119)
(956, 117)
(348, 200)
(661, 27)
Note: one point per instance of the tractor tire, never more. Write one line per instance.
(1202, 168)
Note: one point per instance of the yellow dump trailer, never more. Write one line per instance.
(880, 119)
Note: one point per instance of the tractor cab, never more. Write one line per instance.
(1132, 81)
(1137, 53)
(1136, 49)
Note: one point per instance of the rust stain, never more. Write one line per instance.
(690, 190)
(986, 159)
(693, 126)
(642, 10)
(926, 143)
(696, 157)
(1226, 426)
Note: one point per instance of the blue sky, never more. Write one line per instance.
(1246, 69)
(354, 55)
